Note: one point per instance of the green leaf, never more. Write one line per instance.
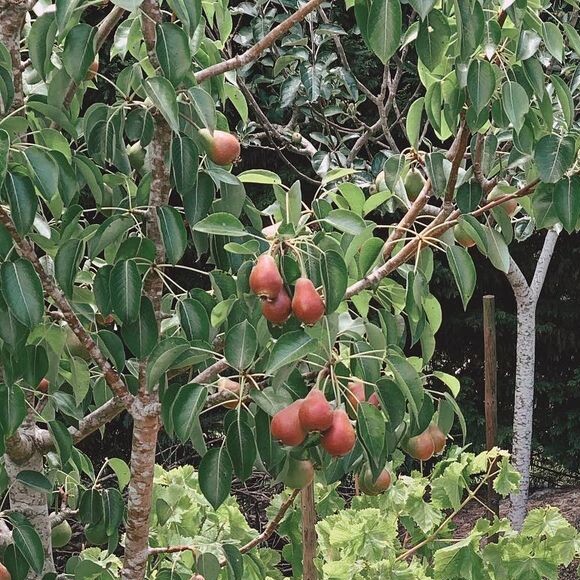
(121, 470)
(371, 431)
(29, 544)
(173, 53)
(235, 561)
(384, 28)
(22, 199)
(469, 196)
(109, 232)
(62, 440)
(434, 166)
(40, 43)
(35, 480)
(507, 479)
(125, 286)
(565, 98)
(184, 164)
(463, 270)
(194, 319)
(241, 448)
(515, 104)
(189, 12)
(162, 358)
(567, 202)
(573, 37)
(204, 108)
(241, 345)
(173, 233)
(65, 12)
(452, 382)
(480, 83)
(129, 5)
(79, 51)
(422, 7)
(113, 510)
(236, 97)
(22, 291)
(290, 347)
(260, 176)
(497, 250)
(12, 408)
(413, 122)
(162, 93)
(393, 403)
(433, 39)
(186, 408)
(221, 224)
(36, 364)
(66, 264)
(470, 27)
(408, 381)
(215, 476)
(141, 335)
(346, 221)
(4, 153)
(553, 40)
(44, 171)
(553, 156)
(334, 279)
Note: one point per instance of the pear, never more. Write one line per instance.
(265, 280)
(222, 148)
(278, 310)
(307, 303)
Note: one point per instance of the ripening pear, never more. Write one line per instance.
(462, 236)
(4, 574)
(503, 188)
(299, 473)
(374, 487)
(265, 279)
(286, 426)
(61, 535)
(341, 437)
(438, 437)
(355, 393)
(222, 148)
(307, 304)
(421, 446)
(414, 182)
(278, 310)
(315, 413)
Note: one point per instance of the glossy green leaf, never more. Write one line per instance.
(433, 39)
(215, 476)
(22, 291)
(384, 28)
(289, 348)
(141, 334)
(44, 171)
(36, 364)
(162, 358)
(194, 319)
(553, 40)
(28, 542)
(121, 470)
(35, 480)
(221, 224)
(463, 270)
(515, 103)
(113, 510)
(189, 13)
(66, 264)
(413, 123)
(370, 427)
(553, 156)
(40, 42)
(480, 83)
(241, 345)
(184, 164)
(162, 93)
(125, 286)
(469, 196)
(173, 53)
(172, 232)
(22, 199)
(62, 440)
(65, 13)
(79, 51)
(346, 221)
(129, 5)
(186, 408)
(422, 7)
(567, 202)
(565, 99)
(334, 279)
(12, 408)
(497, 250)
(470, 27)
(241, 448)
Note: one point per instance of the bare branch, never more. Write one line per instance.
(253, 53)
(456, 154)
(544, 261)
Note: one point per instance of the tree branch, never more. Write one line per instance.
(544, 262)
(254, 52)
(517, 280)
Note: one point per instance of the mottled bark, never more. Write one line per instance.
(12, 15)
(527, 296)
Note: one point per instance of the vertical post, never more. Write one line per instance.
(490, 366)
(309, 539)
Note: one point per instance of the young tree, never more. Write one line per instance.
(104, 207)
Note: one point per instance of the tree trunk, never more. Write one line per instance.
(31, 503)
(144, 445)
(523, 405)
(309, 538)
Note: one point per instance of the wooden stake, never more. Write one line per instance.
(490, 357)
(309, 538)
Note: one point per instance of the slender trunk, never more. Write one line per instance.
(309, 538)
(523, 405)
(145, 428)
(12, 15)
(31, 503)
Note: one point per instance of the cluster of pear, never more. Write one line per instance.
(423, 446)
(277, 306)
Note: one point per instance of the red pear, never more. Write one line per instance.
(421, 446)
(278, 310)
(341, 437)
(222, 148)
(307, 303)
(438, 437)
(265, 279)
(4, 574)
(286, 426)
(315, 413)
(374, 487)
(356, 393)
(43, 385)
